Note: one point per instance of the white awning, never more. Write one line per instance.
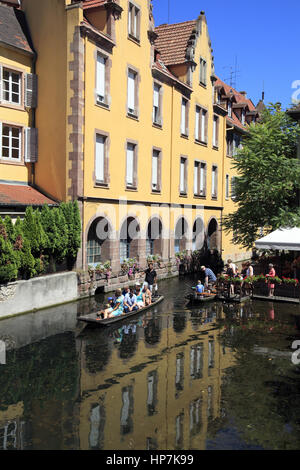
(281, 239)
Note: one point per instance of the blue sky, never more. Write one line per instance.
(264, 36)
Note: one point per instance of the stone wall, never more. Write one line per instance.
(88, 283)
(38, 293)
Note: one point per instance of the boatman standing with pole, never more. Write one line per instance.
(210, 277)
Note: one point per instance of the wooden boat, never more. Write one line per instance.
(196, 299)
(233, 298)
(93, 320)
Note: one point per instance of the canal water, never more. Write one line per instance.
(214, 377)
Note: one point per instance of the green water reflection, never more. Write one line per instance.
(217, 377)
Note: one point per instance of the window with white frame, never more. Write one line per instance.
(11, 86)
(156, 104)
(132, 93)
(11, 142)
(199, 179)
(227, 187)
(183, 175)
(130, 165)
(100, 164)
(134, 21)
(215, 131)
(214, 182)
(156, 179)
(201, 125)
(184, 117)
(203, 71)
(101, 79)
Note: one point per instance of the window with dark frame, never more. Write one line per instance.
(183, 175)
(184, 117)
(131, 166)
(156, 179)
(201, 125)
(203, 71)
(214, 182)
(200, 179)
(132, 93)
(134, 21)
(156, 118)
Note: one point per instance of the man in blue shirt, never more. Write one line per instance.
(210, 277)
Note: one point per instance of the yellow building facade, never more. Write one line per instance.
(130, 126)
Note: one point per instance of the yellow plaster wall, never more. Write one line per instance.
(47, 22)
(19, 172)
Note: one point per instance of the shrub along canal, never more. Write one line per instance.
(218, 376)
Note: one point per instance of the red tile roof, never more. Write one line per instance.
(173, 40)
(21, 195)
(240, 99)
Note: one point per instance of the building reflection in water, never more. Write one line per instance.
(127, 410)
(196, 361)
(195, 417)
(179, 378)
(159, 354)
(97, 420)
(152, 392)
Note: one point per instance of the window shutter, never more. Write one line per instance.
(100, 77)
(156, 113)
(31, 90)
(131, 92)
(129, 164)
(100, 146)
(197, 123)
(31, 145)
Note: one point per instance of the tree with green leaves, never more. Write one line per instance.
(268, 178)
(73, 222)
(8, 261)
(34, 232)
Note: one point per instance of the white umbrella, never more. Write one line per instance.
(281, 239)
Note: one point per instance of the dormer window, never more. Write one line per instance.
(229, 109)
(243, 117)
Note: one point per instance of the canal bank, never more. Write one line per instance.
(52, 290)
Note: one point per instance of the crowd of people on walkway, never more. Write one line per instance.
(130, 299)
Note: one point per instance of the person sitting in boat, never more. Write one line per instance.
(139, 295)
(116, 310)
(125, 291)
(200, 288)
(146, 293)
(209, 276)
(130, 302)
